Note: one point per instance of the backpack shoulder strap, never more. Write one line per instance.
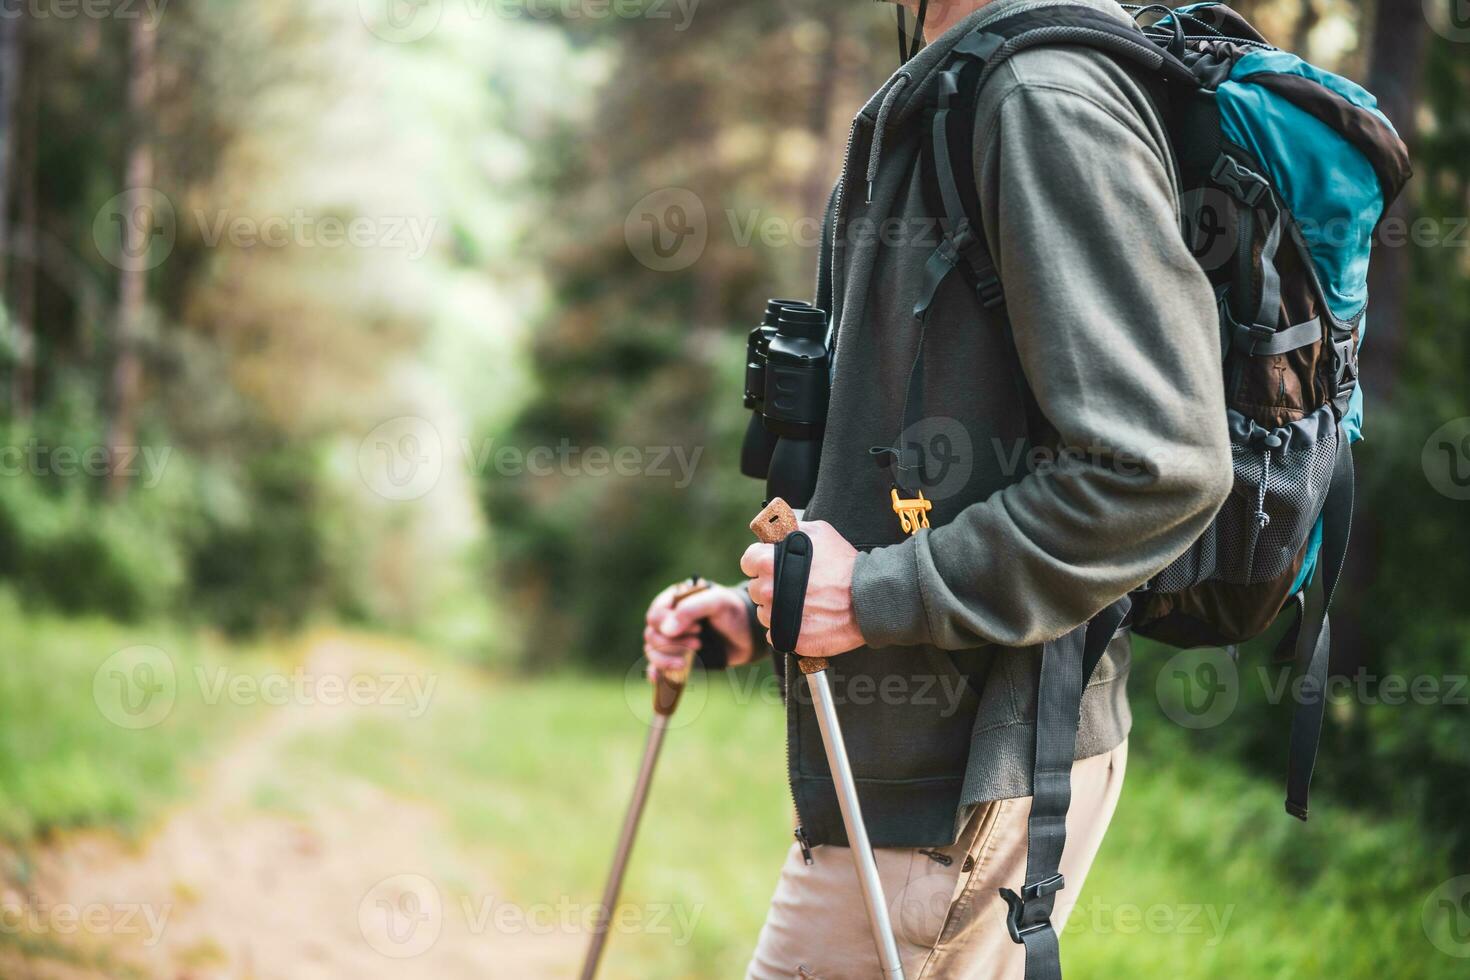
(970, 64)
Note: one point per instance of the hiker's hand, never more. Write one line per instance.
(828, 626)
(671, 632)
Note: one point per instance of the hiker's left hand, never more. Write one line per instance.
(828, 626)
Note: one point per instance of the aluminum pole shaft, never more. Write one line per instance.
(857, 831)
(660, 725)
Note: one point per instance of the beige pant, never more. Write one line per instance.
(945, 903)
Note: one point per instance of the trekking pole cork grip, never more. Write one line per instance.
(771, 525)
(668, 685)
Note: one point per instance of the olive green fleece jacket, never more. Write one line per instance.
(1115, 329)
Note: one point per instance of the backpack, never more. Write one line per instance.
(1285, 170)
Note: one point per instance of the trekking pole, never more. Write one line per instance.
(772, 525)
(668, 686)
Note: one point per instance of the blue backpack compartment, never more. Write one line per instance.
(1332, 157)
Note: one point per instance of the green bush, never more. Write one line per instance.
(63, 551)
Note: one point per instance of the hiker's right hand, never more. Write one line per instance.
(671, 632)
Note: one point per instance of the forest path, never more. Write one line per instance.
(338, 879)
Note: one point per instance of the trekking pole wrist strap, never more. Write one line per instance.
(788, 600)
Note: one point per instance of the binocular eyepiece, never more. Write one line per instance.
(787, 384)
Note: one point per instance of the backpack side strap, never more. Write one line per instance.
(1314, 633)
(1067, 664)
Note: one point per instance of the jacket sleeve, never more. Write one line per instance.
(1115, 326)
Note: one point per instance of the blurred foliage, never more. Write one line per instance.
(62, 761)
(625, 356)
(263, 366)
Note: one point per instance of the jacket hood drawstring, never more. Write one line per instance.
(875, 155)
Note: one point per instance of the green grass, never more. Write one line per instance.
(1202, 874)
(84, 735)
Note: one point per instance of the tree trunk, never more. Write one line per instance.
(11, 29)
(133, 282)
(1306, 20)
(24, 271)
(1396, 75)
(1396, 59)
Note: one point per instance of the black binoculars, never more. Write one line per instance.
(787, 383)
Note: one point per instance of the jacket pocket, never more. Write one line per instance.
(906, 713)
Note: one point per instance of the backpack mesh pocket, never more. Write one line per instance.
(1281, 481)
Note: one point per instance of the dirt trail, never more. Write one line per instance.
(355, 883)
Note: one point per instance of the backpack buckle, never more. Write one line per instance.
(1344, 373)
(1244, 184)
(1246, 336)
(1018, 922)
(913, 513)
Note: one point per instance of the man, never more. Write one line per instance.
(1112, 325)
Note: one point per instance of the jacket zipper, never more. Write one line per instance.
(799, 832)
(806, 846)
